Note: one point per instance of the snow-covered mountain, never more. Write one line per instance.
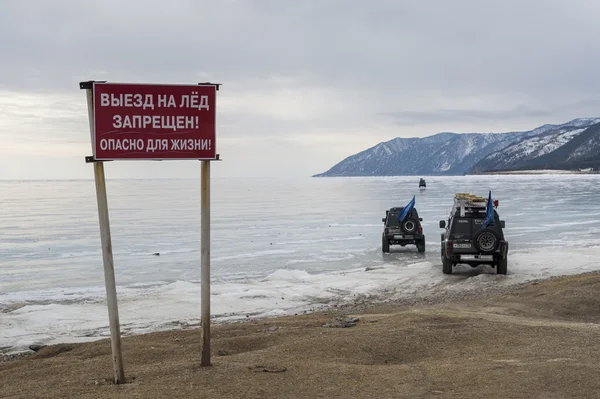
(456, 154)
(573, 146)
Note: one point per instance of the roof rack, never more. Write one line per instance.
(467, 200)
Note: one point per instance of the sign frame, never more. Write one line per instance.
(93, 85)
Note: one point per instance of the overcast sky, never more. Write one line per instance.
(305, 83)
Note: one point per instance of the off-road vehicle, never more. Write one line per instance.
(409, 231)
(466, 241)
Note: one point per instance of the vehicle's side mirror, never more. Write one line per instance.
(383, 220)
(420, 219)
(502, 223)
(442, 224)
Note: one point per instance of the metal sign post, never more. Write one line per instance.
(152, 122)
(205, 262)
(107, 256)
(109, 273)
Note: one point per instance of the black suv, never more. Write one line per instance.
(465, 241)
(407, 232)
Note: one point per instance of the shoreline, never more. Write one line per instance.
(540, 335)
(504, 172)
(390, 285)
(538, 172)
(362, 303)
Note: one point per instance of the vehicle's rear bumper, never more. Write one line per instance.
(404, 238)
(474, 258)
(461, 256)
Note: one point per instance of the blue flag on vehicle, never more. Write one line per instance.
(489, 212)
(407, 209)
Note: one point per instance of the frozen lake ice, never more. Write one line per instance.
(277, 246)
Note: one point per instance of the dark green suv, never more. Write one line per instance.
(474, 235)
(409, 231)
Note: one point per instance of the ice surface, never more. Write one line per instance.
(278, 246)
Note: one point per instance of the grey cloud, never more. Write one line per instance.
(464, 45)
(585, 104)
(457, 115)
(406, 59)
(587, 107)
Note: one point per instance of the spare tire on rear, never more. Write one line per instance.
(486, 241)
(409, 226)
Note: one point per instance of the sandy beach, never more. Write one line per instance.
(536, 340)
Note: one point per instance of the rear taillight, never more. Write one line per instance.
(420, 231)
(448, 247)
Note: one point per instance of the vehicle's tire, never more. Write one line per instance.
(486, 241)
(421, 245)
(502, 266)
(446, 265)
(409, 226)
(442, 247)
(385, 244)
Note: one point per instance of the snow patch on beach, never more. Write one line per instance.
(78, 316)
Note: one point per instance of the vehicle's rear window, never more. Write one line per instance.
(461, 226)
(393, 220)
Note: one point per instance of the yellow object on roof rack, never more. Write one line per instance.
(469, 197)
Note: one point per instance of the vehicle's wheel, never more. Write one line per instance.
(502, 266)
(385, 244)
(409, 226)
(486, 241)
(442, 248)
(446, 265)
(421, 245)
